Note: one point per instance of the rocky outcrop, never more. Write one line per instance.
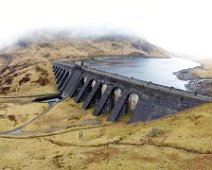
(203, 87)
(187, 74)
(196, 83)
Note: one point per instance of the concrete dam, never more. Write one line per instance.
(120, 95)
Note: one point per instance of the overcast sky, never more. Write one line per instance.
(182, 26)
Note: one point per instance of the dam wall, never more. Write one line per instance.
(119, 95)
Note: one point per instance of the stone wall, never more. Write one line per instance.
(116, 94)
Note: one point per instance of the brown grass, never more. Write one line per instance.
(13, 115)
(206, 70)
(27, 78)
(183, 142)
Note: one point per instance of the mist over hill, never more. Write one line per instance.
(25, 66)
(56, 45)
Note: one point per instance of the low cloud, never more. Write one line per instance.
(179, 26)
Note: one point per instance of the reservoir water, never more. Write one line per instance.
(156, 70)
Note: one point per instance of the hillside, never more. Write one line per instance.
(25, 66)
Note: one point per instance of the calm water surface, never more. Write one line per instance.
(156, 70)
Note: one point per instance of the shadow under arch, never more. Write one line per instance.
(64, 79)
(60, 76)
(124, 106)
(87, 87)
(57, 73)
(98, 89)
(79, 86)
(112, 99)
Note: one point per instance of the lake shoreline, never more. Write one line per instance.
(99, 57)
(153, 69)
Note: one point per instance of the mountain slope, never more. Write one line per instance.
(22, 60)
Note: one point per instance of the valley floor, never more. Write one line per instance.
(64, 136)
